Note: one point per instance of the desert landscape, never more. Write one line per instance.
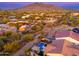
(39, 29)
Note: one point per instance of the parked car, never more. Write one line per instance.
(76, 30)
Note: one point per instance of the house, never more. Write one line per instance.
(64, 45)
(24, 28)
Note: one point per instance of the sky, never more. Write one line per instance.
(14, 5)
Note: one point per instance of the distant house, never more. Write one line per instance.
(19, 23)
(42, 14)
(74, 14)
(13, 29)
(6, 27)
(25, 16)
(13, 20)
(11, 17)
(3, 28)
(24, 28)
(50, 20)
(37, 18)
(1, 32)
(50, 15)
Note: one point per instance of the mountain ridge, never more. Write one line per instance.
(40, 7)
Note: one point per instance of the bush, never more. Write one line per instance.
(15, 36)
(71, 18)
(65, 21)
(37, 28)
(12, 35)
(73, 24)
(11, 47)
(8, 33)
(5, 20)
(27, 51)
(28, 37)
(3, 37)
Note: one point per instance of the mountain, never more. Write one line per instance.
(40, 7)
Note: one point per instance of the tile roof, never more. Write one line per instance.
(55, 47)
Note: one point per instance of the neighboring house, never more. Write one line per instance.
(6, 27)
(24, 28)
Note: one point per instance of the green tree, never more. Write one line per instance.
(5, 20)
(65, 21)
(71, 18)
